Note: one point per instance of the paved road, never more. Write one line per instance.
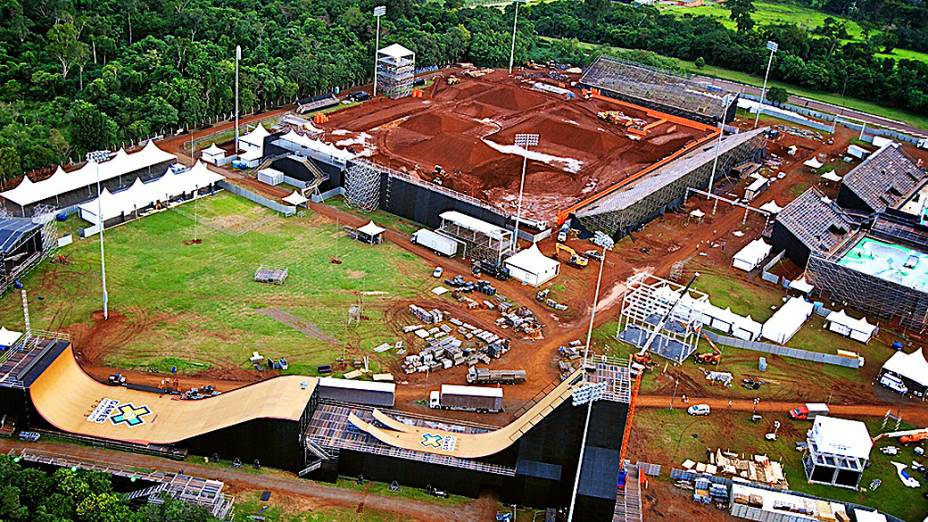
(823, 107)
(288, 485)
(912, 412)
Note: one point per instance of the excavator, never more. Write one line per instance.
(714, 357)
(575, 259)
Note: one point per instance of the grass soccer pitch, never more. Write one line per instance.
(196, 306)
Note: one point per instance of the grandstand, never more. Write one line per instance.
(660, 90)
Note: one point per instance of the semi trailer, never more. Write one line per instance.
(487, 376)
(467, 398)
(443, 245)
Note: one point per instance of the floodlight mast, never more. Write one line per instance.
(523, 141)
(379, 11)
(515, 23)
(772, 46)
(238, 58)
(726, 101)
(98, 157)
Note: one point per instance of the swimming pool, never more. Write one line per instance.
(896, 263)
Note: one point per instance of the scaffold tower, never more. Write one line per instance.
(362, 186)
(396, 70)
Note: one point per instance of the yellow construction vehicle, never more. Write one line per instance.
(452, 80)
(575, 259)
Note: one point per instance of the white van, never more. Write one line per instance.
(894, 383)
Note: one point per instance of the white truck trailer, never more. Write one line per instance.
(444, 245)
(467, 398)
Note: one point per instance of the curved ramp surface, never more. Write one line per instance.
(72, 401)
(465, 445)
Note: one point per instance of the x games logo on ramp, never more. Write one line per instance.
(117, 413)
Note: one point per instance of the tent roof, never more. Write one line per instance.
(842, 437)
(213, 150)
(317, 145)
(12, 230)
(472, 223)
(801, 285)
(8, 337)
(370, 229)
(909, 365)
(697, 213)
(787, 319)
(772, 207)
(813, 163)
(29, 192)
(860, 325)
(864, 515)
(295, 199)
(532, 260)
(754, 251)
(256, 136)
(395, 51)
(831, 175)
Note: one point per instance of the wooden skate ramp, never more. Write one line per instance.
(465, 445)
(72, 401)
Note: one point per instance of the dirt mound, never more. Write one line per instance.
(476, 110)
(577, 137)
(450, 151)
(511, 98)
(430, 124)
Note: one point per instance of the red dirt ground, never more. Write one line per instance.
(450, 127)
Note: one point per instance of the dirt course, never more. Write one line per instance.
(468, 129)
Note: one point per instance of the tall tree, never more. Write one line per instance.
(741, 14)
(10, 165)
(63, 43)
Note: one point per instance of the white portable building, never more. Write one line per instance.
(272, 177)
(751, 256)
(532, 267)
(786, 321)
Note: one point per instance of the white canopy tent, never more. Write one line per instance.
(8, 337)
(857, 329)
(213, 154)
(912, 366)
(317, 149)
(254, 140)
(813, 164)
(831, 175)
(751, 256)
(142, 195)
(532, 267)
(786, 321)
(61, 182)
(746, 328)
(772, 207)
(371, 233)
(296, 199)
(801, 285)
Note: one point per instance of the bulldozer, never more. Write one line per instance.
(714, 357)
(453, 80)
(575, 260)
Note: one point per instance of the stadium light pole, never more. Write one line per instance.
(98, 157)
(772, 46)
(379, 11)
(524, 141)
(718, 145)
(515, 23)
(238, 58)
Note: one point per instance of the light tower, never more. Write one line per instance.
(523, 141)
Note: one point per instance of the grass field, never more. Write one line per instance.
(757, 81)
(197, 306)
(680, 436)
(284, 509)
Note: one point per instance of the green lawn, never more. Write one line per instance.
(284, 509)
(196, 306)
(673, 436)
(381, 217)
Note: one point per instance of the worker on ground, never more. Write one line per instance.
(685, 400)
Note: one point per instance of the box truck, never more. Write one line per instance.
(467, 398)
(808, 411)
(444, 245)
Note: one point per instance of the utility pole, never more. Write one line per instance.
(238, 58)
(524, 141)
(515, 23)
(718, 145)
(772, 46)
(379, 11)
(97, 157)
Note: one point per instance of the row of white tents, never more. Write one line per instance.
(141, 195)
(29, 192)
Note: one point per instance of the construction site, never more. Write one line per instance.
(624, 334)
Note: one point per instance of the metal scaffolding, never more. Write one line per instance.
(362, 186)
(646, 301)
(396, 68)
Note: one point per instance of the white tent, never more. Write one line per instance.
(786, 321)
(213, 154)
(143, 195)
(532, 267)
(801, 285)
(831, 175)
(251, 158)
(857, 329)
(61, 182)
(295, 199)
(772, 207)
(912, 366)
(813, 164)
(721, 319)
(371, 233)
(869, 516)
(751, 256)
(318, 149)
(8, 337)
(746, 328)
(254, 140)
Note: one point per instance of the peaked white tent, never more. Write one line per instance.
(786, 321)
(532, 267)
(254, 140)
(772, 207)
(61, 182)
(141, 195)
(8, 337)
(213, 154)
(831, 175)
(296, 199)
(813, 164)
(911, 366)
(751, 256)
(371, 233)
(316, 149)
(857, 329)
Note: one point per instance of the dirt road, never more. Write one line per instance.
(913, 413)
(283, 484)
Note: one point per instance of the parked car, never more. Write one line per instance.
(699, 410)
(438, 272)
